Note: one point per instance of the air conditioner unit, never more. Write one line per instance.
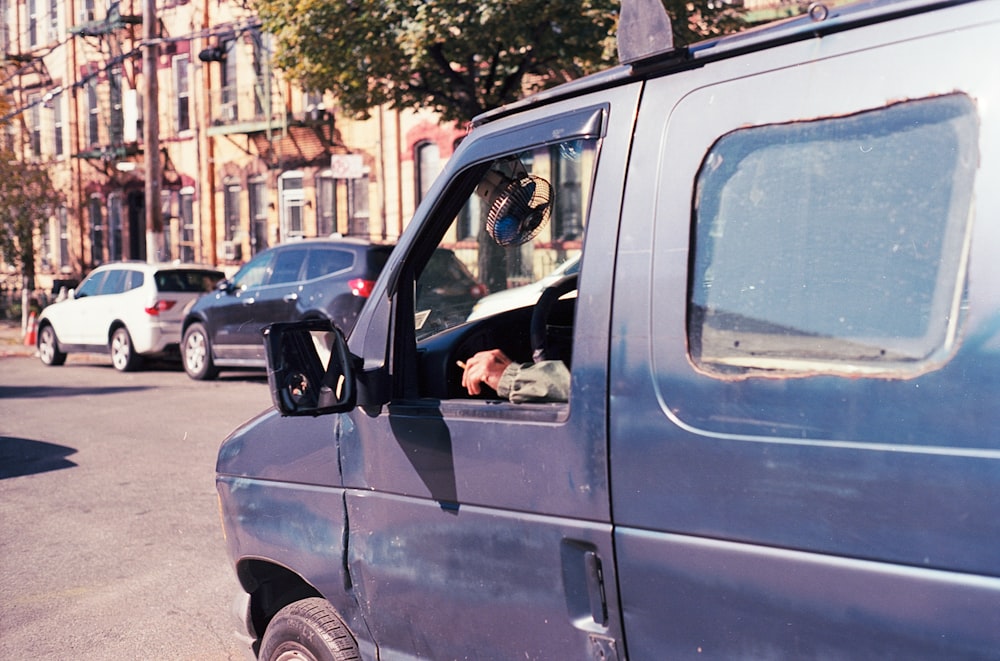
(232, 251)
(229, 112)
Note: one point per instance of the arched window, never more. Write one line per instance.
(428, 162)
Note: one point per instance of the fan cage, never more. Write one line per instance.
(520, 212)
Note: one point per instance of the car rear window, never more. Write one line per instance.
(377, 257)
(187, 280)
(324, 260)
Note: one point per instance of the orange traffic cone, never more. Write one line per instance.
(32, 335)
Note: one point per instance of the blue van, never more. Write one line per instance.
(781, 438)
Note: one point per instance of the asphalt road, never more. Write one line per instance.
(110, 543)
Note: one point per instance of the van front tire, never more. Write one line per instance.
(308, 630)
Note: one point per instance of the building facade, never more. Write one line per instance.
(245, 158)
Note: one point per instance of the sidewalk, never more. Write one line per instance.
(11, 340)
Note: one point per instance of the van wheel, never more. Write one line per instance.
(308, 630)
(123, 355)
(48, 347)
(196, 354)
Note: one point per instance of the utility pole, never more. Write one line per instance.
(151, 133)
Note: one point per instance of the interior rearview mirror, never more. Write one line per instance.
(309, 369)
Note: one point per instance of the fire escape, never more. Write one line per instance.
(248, 100)
(111, 135)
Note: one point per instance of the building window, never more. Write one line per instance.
(93, 113)
(96, 231)
(115, 226)
(428, 167)
(231, 209)
(261, 81)
(53, 20)
(4, 30)
(182, 92)
(292, 203)
(88, 13)
(57, 125)
(312, 104)
(45, 245)
(357, 202)
(168, 200)
(35, 120)
(567, 221)
(258, 215)
(228, 100)
(63, 215)
(326, 204)
(117, 117)
(32, 23)
(187, 242)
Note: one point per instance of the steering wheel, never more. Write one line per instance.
(542, 311)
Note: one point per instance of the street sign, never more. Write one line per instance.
(347, 166)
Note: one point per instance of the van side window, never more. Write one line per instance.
(836, 245)
(520, 229)
(489, 272)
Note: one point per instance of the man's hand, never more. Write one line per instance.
(484, 367)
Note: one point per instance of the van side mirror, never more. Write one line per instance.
(309, 369)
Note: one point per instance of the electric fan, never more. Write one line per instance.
(519, 209)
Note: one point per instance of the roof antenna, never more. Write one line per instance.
(643, 30)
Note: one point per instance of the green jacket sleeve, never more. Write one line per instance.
(546, 381)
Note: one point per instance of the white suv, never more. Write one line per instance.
(129, 309)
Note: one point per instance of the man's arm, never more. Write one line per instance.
(545, 381)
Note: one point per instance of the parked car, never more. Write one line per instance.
(308, 279)
(133, 310)
(781, 438)
(524, 296)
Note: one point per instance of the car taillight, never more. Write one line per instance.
(160, 306)
(361, 287)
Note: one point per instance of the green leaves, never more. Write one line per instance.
(457, 57)
(27, 199)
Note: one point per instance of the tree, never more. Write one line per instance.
(457, 57)
(27, 199)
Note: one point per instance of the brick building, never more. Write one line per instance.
(246, 158)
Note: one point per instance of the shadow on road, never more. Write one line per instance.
(35, 392)
(22, 456)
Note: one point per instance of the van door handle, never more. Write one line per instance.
(595, 587)
(290, 298)
(583, 579)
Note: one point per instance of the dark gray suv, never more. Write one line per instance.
(310, 279)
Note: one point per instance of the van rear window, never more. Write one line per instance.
(836, 245)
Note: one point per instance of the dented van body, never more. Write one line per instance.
(781, 439)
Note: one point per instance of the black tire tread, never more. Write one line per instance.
(322, 620)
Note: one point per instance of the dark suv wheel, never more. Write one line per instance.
(196, 352)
